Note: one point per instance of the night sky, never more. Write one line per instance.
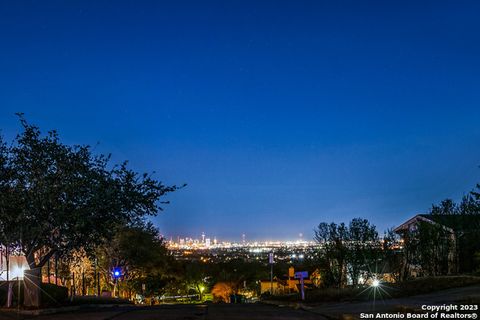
(278, 115)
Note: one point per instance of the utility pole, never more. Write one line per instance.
(271, 261)
(95, 277)
(48, 270)
(56, 269)
(98, 283)
(7, 257)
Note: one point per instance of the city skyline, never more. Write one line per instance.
(277, 115)
(241, 238)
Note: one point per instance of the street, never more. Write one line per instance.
(181, 312)
(255, 311)
(454, 295)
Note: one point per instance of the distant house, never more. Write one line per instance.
(286, 285)
(457, 226)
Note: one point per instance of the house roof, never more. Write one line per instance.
(454, 222)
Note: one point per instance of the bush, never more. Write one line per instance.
(53, 295)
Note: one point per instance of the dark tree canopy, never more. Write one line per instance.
(56, 197)
(464, 219)
(347, 249)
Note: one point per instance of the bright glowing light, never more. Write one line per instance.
(117, 272)
(301, 256)
(17, 272)
(202, 288)
(375, 283)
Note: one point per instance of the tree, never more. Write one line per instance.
(333, 240)
(56, 198)
(222, 291)
(463, 219)
(430, 247)
(447, 206)
(362, 248)
(195, 277)
(391, 254)
(351, 250)
(140, 253)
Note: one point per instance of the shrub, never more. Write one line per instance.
(53, 295)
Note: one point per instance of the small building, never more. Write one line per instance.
(286, 285)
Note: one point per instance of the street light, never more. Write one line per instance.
(117, 273)
(375, 283)
(18, 272)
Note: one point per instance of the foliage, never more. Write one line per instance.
(140, 253)
(53, 295)
(56, 198)
(222, 290)
(428, 247)
(363, 249)
(392, 255)
(351, 249)
(333, 240)
(83, 268)
(464, 219)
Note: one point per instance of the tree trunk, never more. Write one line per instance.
(32, 282)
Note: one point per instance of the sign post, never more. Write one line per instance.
(301, 275)
(271, 261)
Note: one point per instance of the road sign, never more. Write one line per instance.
(270, 258)
(301, 275)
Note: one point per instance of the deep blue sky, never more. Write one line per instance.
(278, 114)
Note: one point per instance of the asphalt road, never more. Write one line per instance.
(257, 311)
(449, 296)
(183, 312)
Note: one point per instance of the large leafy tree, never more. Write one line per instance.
(140, 254)
(55, 197)
(362, 249)
(465, 221)
(352, 250)
(333, 240)
(392, 255)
